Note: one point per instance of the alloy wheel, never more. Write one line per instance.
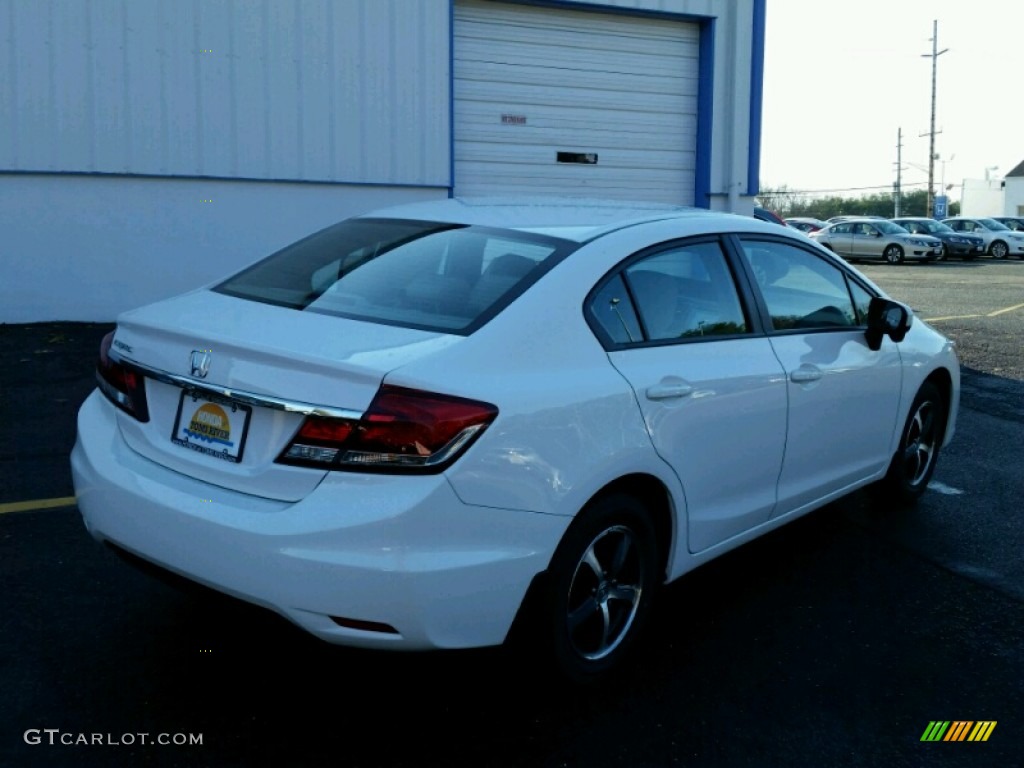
(605, 593)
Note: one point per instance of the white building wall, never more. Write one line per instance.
(981, 197)
(1013, 196)
(118, 117)
(88, 247)
(311, 90)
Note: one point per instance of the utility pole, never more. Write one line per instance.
(934, 55)
(897, 189)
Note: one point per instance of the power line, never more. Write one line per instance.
(842, 189)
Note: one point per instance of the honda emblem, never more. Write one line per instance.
(201, 362)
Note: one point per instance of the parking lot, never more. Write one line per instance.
(833, 641)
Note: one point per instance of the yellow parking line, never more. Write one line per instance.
(30, 506)
(950, 317)
(1001, 311)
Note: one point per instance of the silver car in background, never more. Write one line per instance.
(874, 239)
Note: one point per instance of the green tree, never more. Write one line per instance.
(787, 202)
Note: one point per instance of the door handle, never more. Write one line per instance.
(805, 374)
(668, 391)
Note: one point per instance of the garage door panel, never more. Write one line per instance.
(663, 128)
(479, 19)
(585, 59)
(616, 187)
(530, 82)
(612, 106)
(537, 80)
(494, 143)
(610, 157)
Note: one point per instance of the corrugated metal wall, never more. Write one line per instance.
(316, 90)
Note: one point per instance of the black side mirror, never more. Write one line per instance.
(887, 318)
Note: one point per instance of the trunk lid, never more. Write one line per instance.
(226, 437)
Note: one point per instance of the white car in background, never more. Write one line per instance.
(416, 425)
(1000, 241)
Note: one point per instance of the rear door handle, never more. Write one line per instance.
(667, 391)
(805, 374)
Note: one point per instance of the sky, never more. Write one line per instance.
(840, 79)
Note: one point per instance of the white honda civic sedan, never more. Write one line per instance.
(420, 426)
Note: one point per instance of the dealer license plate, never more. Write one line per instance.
(212, 426)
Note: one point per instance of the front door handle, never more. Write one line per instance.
(805, 374)
(667, 391)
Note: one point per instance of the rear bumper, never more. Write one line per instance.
(401, 551)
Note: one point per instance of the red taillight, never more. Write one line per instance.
(402, 429)
(124, 387)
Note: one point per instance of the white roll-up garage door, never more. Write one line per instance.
(570, 102)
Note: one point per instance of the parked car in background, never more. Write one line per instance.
(1000, 241)
(362, 432)
(850, 217)
(765, 215)
(961, 244)
(1016, 223)
(877, 239)
(805, 224)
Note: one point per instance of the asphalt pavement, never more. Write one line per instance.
(833, 641)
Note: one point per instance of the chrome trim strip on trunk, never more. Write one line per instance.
(249, 398)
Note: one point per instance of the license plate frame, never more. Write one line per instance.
(203, 430)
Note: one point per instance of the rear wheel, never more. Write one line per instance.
(600, 587)
(893, 254)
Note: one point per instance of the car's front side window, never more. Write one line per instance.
(801, 290)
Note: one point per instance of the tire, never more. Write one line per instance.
(600, 587)
(914, 463)
(998, 250)
(893, 254)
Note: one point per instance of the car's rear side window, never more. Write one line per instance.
(442, 277)
(679, 293)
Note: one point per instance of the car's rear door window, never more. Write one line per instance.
(426, 275)
(682, 292)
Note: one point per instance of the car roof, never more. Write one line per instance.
(575, 219)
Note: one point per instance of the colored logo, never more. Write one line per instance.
(959, 730)
(210, 423)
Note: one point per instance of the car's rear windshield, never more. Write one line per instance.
(433, 276)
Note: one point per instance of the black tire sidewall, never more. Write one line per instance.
(600, 515)
(904, 491)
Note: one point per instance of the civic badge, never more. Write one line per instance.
(201, 362)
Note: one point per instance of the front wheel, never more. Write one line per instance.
(601, 586)
(893, 254)
(998, 249)
(914, 463)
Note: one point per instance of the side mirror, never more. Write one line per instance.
(887, 318)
